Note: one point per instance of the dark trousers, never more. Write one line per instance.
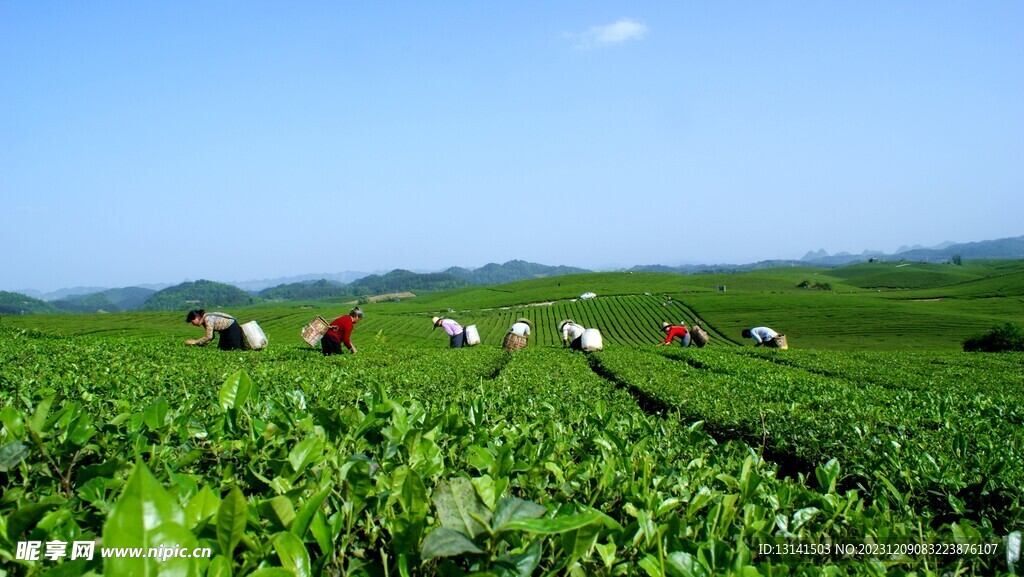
(456, 341)
(230, 338)
(576, 344)
(330, 346)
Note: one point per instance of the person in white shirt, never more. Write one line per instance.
(521, 327)
(762, 335)
(572, 334)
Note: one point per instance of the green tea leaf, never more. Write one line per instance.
(578, 542)
(219, 567)
(293, 554)
(526, 563)
(156, 414)
(202, 507)
(146, 516)
(232, 516)
(305, 452)
(511, 508)
(827, 475)
(38, 421)
(414, 494)
(457, 504)
(556, 525)
(11, 455)
(235, 391)
(12, 421)
(305, 515)
(279, 510)
(445, 542)
(651, 566)
(27, 516)
(489, 489)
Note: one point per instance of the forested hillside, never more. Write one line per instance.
(19, 304)
(201, 294)
(109, 301)
(315, 290)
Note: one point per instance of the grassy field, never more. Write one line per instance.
(940, 306)
(634, 461)
(413, 459)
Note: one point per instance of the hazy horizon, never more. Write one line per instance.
(264, 282)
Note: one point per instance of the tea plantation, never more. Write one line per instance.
(413, 459)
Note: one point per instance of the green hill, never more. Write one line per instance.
(201, 294)
(400, 280)
(19, 304)
(511, 271)
(316, 290)
(111, 300)
(908, 275)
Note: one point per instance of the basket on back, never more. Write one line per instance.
(778, 342)
(699, 336)
(513, 342)
(253, 337)
(313, 332)
(472, 336)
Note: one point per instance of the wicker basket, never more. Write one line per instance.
(513, 342)
(699, 336)
(778, 342)
(313, 332)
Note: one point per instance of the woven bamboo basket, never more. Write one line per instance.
(779, 342)
(513, 342)
(313, 332)
(699, 336)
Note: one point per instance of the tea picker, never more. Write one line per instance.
(572, 334)
(675, 331)
(766, 337)
(517, 336)
(340, 332)
(222, 323)
(456, 335)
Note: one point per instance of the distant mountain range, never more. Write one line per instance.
(255, 286)
(1004, 248)
(207, 294)
(349, 284)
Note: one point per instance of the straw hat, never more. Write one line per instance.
(435, 320)
(527, 321)
(562, 324)
(665, 326)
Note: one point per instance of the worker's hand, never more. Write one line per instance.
(353, 349)
(190, 342)
(332, 328)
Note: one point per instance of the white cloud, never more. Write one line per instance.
(622, 30)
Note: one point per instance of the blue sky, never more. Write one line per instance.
(145, 142)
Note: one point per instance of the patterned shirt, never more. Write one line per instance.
(214, 322)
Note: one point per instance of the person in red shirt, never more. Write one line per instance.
(340, 332)
(673, 331)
